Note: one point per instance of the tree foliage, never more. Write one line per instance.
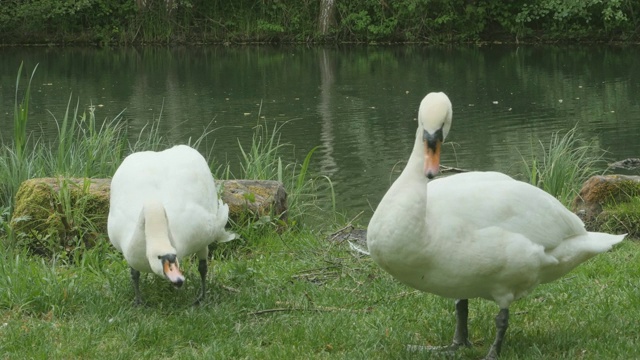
(206, 21)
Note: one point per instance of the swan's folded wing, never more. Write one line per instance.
(482, 201)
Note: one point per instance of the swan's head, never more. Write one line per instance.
(434, 122)
(168, 267)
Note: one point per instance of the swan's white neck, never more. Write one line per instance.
(413, 176)
(414, 171)
(156, 230)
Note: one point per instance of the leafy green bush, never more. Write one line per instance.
(159, 21)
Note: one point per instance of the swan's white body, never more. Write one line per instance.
(165, 203)
(483, 235)
(476, 234)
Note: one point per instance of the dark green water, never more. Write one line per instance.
(357, 104)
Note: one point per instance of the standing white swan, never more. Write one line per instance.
(164, 206)
(476, 234)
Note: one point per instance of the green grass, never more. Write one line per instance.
(566, 163)
(294, 296)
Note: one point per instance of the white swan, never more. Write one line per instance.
(476, 234)
(164, 206)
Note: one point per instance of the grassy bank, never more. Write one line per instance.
(294, 296)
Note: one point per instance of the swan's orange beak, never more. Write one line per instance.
(432, 144)
(172, 271)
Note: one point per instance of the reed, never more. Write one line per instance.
(308, 196)
(15, 161)
(81, 149)
(566, 163)
(21, 115)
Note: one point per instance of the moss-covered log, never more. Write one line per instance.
(67, 211)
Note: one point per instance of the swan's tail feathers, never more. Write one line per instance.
(222, 219)
(572, 252)
(583, 247)
(604, 242)
(228, 236)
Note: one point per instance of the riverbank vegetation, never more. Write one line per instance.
(292, 292)
(121, 22)
(87, 148)
(564, 165)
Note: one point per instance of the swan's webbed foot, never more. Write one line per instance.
(202, 269)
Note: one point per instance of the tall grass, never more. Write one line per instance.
(84, 148)
(81, 149)
(21, 115)
(307, 195)
(566, 163)
(15, 161)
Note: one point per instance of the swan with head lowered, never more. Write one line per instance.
(473, 235)
(163, 207)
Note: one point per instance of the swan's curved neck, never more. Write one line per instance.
(157, 234)
(415, 165)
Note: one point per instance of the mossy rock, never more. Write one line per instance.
(254, 199)
(610, 203)
(53, 214)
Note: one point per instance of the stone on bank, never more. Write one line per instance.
(610, 203)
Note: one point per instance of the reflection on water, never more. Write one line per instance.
(358, 105)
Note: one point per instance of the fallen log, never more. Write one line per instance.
(77, 208)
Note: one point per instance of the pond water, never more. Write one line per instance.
(356, 104)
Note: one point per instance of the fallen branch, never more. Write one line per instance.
(357, 249)
(452, 169)
(230, 289)
(314, 309)
(628, 164)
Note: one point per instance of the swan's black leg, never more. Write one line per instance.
(135, 278)
(202, 269)
(461, 336)
(502, 323)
